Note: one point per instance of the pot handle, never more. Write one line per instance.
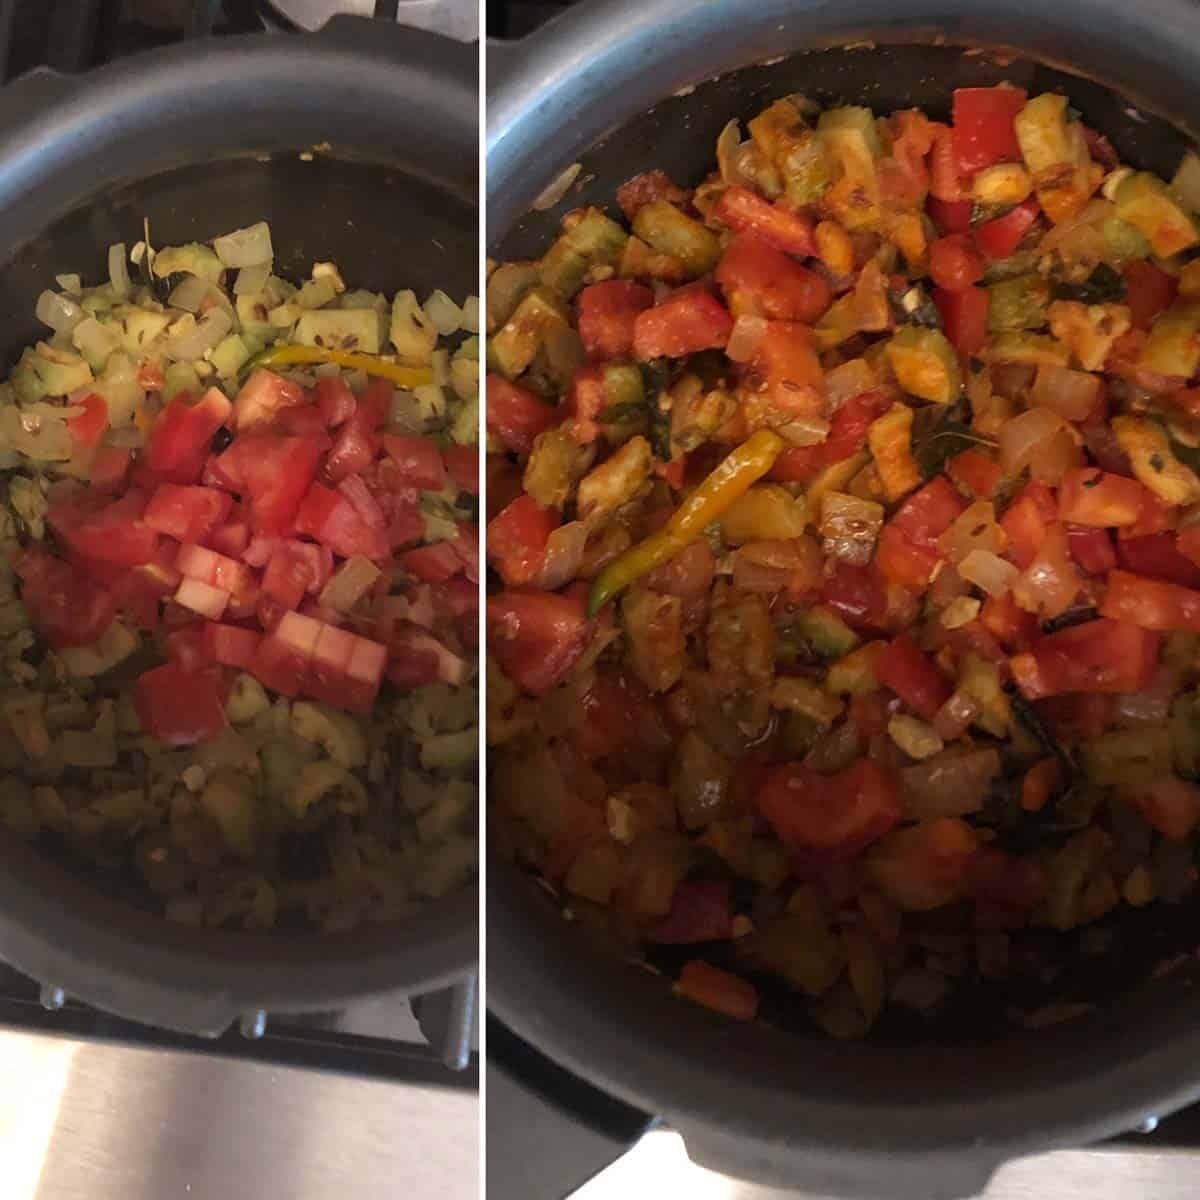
(859, 1175)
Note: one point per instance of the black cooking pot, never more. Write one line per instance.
(926, 1111)
(201, 139)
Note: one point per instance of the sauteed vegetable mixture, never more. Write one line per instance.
(239, 601)
(845, 529)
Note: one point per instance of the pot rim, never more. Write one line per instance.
(565, 89)
(59, 143)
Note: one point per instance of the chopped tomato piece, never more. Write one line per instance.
(759, 280)
(281, 659)
(999, 238)
(1158, 557)
(1149, 291)
(114, 533)
(353, 451)
(186, 512)
(954, 263)
(944, 181)
(928, 513)
(700, 912)
(1188, 543)
(839, 815)
(1150, 603)
(744, 211)
(66, 607)
(462, 465)
(1098, 656)
(275, 472)
(419, 460)
(88, 428)
(185, 647)
(515, 415)
(303, 420)
(329, 517)
(964, 316)
(976, 471)
(719, 990)
(1089, 496)
(1007, 880)
(903, 562)
(416, 658)
(925, 866)
(913, 676)
(686, 321)
(607, 312)
(179, 707)
(537, 637)
(289, 574)
(232, 538)
(847, 436)
(950, 216)
(364, 674)
(1092, 549)
(262, 396)
(516, 539)
(858, 594)
(1010, 624)
(183, 434)
(433, 564)
(335, 400)
(1027, 521)
(230, 645)
(984, 133)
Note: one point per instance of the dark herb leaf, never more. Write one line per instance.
(617, 414)
(1027, 715)
(1103, 285)
(912, 306)
(1073, 616)
(939, 434)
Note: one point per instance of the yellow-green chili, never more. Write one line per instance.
(731, 479)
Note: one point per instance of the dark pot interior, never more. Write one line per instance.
(930, 1106)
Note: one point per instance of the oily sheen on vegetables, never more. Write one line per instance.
(844, 549)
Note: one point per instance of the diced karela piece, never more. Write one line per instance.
(190, 259)
(359, 330)
(515, 346)
(46, 371)
(592, 240)
(925, 364)
(669, 231)
(1146, 203)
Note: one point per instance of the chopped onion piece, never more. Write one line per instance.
(252, 279)
(41, 440)
(975, 529)
(444, 315)
(1021, 437)
(564, 553)
(70, 283)
(850, 526)
(470, 314)
(951, 784)
(959, 612)
(61, 313)
(1071, 394)
(988, 571)
(746, 338)
(208, 331)
(557, 188)
(250, 247)
(349, 583)
(118, 271)
(1187, 181)
(805, 431)
(190, 294)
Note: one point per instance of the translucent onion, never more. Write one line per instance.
(251, 280)
(1152, 705)
(1056, 456)
(444, 315)
(729, 159)
(850, 526)
(975, 529)
(805, 431)
(988, 571)
(470, 314)
(849, 379)
(249, 247)
(209, 330)
(1187, 181)
(1051, 582)
(190, 294)
(959, 612)
(557, 188)
(954, 718)
(1011, 380)
(1020, 437)
(70, 283)
(41, 440)
(564, 553)
(94, 341)
(746, 338)
(61, 313)
(774, 566)
(349, 583)
(118, 271)
(1094, 213)
(1071, 394)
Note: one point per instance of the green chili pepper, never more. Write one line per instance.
(741, 468)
